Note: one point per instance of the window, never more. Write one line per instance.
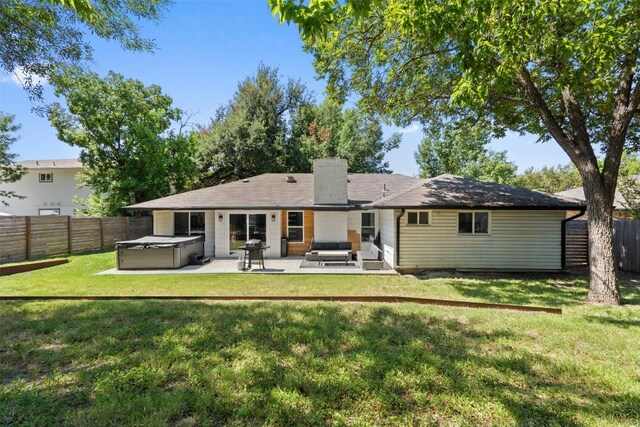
(188, 223)
(368, 227)
(418, 217)
(473, 222)
(295, 226)
(243, 227)
(46, 177)
(43, 212)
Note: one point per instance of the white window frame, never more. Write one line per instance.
(473, 221)
(375, 228)
(295, 226)
(417, 212)
(203, 233)
(49, 209)
(45, 175)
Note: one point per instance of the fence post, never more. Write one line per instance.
(69, 234)
(28, 237)
(101, 235)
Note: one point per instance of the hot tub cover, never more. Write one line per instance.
(148, 242)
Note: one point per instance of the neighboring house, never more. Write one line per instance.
(619, 203)
(443, 222)
(49, 187)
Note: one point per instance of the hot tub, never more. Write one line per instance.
(158, 252)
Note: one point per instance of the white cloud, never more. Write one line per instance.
(19, 77)
(411, 129)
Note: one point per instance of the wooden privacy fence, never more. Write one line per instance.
(627, 243)
(576, 243)
(28, 237)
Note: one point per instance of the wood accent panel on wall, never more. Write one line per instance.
(354, 237)
(299, 248)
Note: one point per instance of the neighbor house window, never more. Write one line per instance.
(46, 177)
(473, 222)
(418, 217)
(368, 227)
(188, 223)
(295, 226)
(43, 212)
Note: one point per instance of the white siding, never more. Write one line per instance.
(221, 237)
(517, 240)
(330, 226)
(354, 222)
(58, 194)
(209, 232)
(163, 223)
(386, 224)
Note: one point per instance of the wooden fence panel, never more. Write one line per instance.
(113, 230)
(13, 238)
(577, 243)
(627, 244)
(28, 237)
(140, 226)
(49, 236)
(85, 235)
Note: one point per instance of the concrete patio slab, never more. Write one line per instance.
(289, 265)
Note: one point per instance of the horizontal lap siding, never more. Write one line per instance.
(518, 240)
(163, 223)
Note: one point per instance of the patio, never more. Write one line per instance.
(289, 265)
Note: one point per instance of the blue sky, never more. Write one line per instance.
(204, 49)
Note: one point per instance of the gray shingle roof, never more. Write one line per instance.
(455, 192)
(52, 164)
(578, 193)
(271, 190)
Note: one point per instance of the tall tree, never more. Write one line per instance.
(251, 134)
(564, 70)
(461, 150)
(9, 170)
(39, 39)
(551, 179)
(272, 125)
(130, 145)
(331, 131)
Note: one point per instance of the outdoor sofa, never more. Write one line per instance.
(316, 247)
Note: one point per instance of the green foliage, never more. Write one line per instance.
(461, 150)
(41, 38)
(550, 179)
(331, 131)
(9, 171)
(629, 188)
(275, 126)
(124, 129)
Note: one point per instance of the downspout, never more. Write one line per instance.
(397, 250)
(563, 243)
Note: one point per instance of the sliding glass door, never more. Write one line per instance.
(243, 227)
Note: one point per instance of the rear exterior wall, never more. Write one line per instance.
(517, 240)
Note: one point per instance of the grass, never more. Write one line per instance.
(196, 363)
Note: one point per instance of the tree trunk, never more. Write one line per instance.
(603, 283)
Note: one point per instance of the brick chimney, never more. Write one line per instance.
(330, 181)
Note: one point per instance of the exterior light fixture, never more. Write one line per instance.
(220, 217)
(273, 218)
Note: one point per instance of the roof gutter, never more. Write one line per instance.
(397, 250)
(563, 241)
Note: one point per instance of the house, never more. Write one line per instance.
(447, 222)
(49, 187)
(619, 203)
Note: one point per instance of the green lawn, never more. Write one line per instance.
(196, 363)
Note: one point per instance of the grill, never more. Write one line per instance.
(253, 251)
